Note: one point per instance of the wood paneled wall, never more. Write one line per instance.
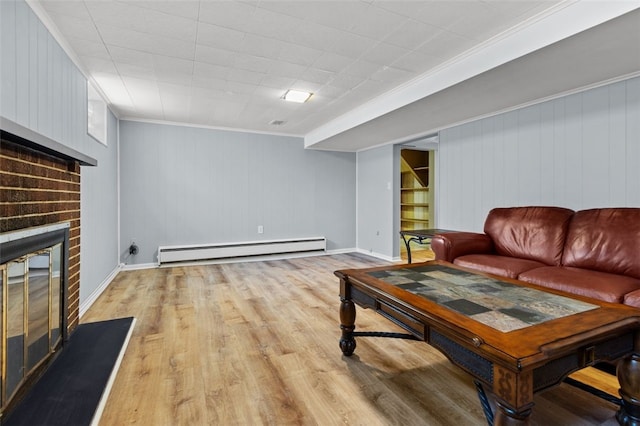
(579, 151)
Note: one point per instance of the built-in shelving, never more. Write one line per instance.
(415, 198)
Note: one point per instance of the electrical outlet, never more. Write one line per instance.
(260, 229)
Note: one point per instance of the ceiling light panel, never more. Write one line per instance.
(296, 96)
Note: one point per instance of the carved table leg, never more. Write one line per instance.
(506, 416)
(347, 325)
(629, 377)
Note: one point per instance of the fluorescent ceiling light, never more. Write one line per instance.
(296, 96)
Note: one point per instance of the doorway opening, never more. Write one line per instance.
(417, 173)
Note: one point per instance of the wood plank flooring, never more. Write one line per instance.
(256, 343)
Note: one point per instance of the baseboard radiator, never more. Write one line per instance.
(202, 252)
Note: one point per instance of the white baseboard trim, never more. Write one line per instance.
(137, 266)
(379, 255)
(342, 251)
(84, 306)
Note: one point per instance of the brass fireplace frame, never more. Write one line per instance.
(38, 241)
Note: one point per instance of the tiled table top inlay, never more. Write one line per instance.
(498, 304)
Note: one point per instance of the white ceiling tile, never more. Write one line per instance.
(87, 47)
(241, 88)
(66, 8)
(253, 63)
(148, 43)
(204, 71)
(441, 13)
(329, 61)
(274, 25)
(406, 8)
(286, 69)
(345, 82)
(172, 70)
(114, 88)
(377, 23)
(393, 75)
(317, 76)
(245, 76)
(184, 8)
(348, 44)
(446, 45)
(384, 54)
(229, 14)
(217, 36)
(339, 15)
(276, 82)
(79, 28)
(130, 56)
(412, 34)
(167, 63)
(143, 20)
(417, 62)
(361, 69)
(132, 70)
(261, 46)
(214, 55)
(268, 94)
(297, 54)
(317, 36)
(99, 65)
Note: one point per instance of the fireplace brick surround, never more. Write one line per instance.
(36, 189)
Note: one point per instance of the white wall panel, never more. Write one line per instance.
(7, 64)
(580, 151)
(32, 70)
(375, 201)
(40, 87)
(22, 63)
(633, 143)
(184, 185)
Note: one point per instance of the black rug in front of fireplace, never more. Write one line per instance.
(70, 391)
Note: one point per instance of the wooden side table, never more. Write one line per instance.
(419, 236)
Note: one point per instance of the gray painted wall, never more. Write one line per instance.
(186, 185)
(99, 215)
(376, 182)
(579, 151)
(41, 89)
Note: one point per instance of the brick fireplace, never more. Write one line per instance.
(39, 189)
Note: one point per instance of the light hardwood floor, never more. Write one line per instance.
(256, 343)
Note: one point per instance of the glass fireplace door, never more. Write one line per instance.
(30, 316)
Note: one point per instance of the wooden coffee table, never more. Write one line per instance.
(515, 339)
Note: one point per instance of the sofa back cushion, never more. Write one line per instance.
(606, 240)
(535, 233)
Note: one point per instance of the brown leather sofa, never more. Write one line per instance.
(593, 253)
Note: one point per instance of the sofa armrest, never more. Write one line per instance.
(455, 244)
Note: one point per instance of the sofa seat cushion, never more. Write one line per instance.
(632, 299)
(583, 282)
(504, 266)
